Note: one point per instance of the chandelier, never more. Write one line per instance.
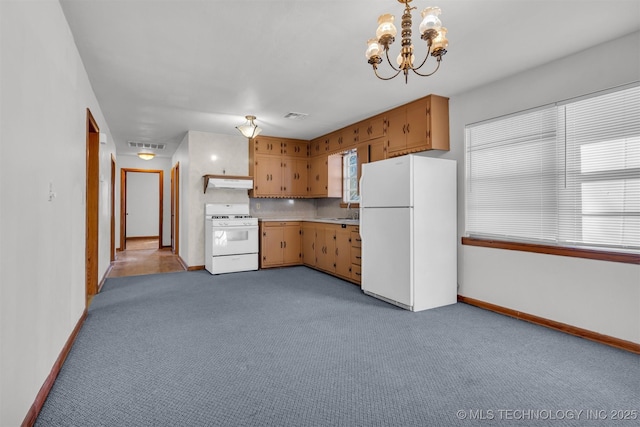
(249, 129)
(431, 31)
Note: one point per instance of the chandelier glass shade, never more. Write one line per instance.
(431, 31)
(249, 129)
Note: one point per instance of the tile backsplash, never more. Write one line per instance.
(298, 208)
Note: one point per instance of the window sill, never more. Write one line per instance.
(554, 250)
(350, 205)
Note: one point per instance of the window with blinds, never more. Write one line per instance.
(566, 174)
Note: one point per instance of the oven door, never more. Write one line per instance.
(234, 240)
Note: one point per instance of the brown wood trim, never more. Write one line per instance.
(123, 202)
(142, 237)
(104, 278)
(563, 327)
(350, 205)
(34, 410)
(554, 250)
(112, 213)
(182, 263)
(92, 204)
(195, 267)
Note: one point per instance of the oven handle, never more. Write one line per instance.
(234, 227)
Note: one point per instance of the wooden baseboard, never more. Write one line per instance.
(32, 415)
(195, 267)
(563, 327)
(142, 237)
(104, 278)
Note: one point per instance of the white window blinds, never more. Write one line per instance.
(564, 174)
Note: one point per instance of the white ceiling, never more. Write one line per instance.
(161, 68)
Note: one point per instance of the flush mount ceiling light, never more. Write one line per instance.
(431, 31)
(249, 129)
(146, 155)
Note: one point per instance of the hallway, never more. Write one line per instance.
(142, 256)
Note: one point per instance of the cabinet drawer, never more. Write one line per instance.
(356, 241)
(356, 256)
(280, 223)
(356, 273)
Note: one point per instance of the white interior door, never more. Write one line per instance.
(143, 202)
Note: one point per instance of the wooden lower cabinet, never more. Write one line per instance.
(356, 255)
(280, 244)
(329, 247)
(326, 247)
(343, 252)
(309, 243)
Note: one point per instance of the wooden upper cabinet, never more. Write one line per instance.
(278, 167)
(266, 145)
(318, 176)
(294, 176)
(317, 146)
(267, 176)
(295, 148)
(369, 129)
(418, 126)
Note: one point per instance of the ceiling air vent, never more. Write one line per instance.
(146, 145)
(295, 116)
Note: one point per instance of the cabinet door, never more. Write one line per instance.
(300, 171)
(334, 142)
(397, 129)
(377, 127)
(318, 176)
(267, 176)
(377, 150)
(291, 244)
(438, 121)
(271, 247)
(343, 252)
(417, 124)
(309, 244)
(295, 148)
(316, 147)
(266, 145)
(325, 248)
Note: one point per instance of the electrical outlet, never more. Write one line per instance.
(258, 206)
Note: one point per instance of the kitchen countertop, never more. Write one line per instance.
(346, 221)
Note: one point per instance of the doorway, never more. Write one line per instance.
(92, 205)
(140, 206)
(175, 209)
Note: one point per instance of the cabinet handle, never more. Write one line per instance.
(408, 124)
(280, 245)
(358, 257)
(358, 274)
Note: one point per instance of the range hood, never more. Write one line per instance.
(228, 182)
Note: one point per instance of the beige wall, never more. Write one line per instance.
(596, 295)
(45, 92)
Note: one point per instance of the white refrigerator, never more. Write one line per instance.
(408, 225)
